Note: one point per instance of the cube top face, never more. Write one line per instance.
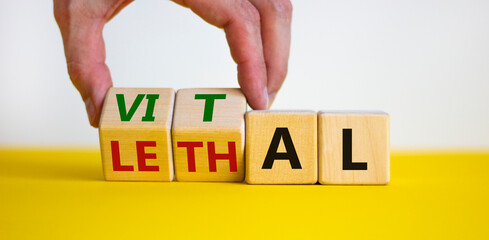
(354, 147)
(352, 113)
(209, 109)
(274, 136)
(138, 108)
(268, 113)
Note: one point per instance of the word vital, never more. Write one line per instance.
(153, 134)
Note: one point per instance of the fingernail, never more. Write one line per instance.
(265, 95)
(271, 98)
(91, 111)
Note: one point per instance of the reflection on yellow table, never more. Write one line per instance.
(61, 194)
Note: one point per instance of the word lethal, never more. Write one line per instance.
(149, 134)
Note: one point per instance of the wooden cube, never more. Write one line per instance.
(281, 147)
(353, 148)
(208, 134)
(135, 138)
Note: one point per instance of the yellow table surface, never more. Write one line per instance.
(61, 194)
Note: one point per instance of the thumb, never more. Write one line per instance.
(92, 81)
(85, 56)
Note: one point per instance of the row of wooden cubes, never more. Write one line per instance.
(147, 135)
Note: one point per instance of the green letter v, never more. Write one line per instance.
(126, 116)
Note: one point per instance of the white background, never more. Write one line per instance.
(425, 62)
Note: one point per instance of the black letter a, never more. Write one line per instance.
(290, 154)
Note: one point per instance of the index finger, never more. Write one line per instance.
(276, 17)
(241, 22)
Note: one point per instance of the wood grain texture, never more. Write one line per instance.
(152, 137)
(369, 144)
(261, 127)
(221, 134)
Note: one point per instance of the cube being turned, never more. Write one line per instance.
(281, 147)
(135, 138)
(208, 134)
(353, 148)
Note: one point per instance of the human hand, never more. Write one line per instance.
(257, 31)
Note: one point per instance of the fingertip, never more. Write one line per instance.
(258, 101)
(265, 97)
(271, 99)
(99, 95)
(91, 112)
(252, 78)
(94, 101)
